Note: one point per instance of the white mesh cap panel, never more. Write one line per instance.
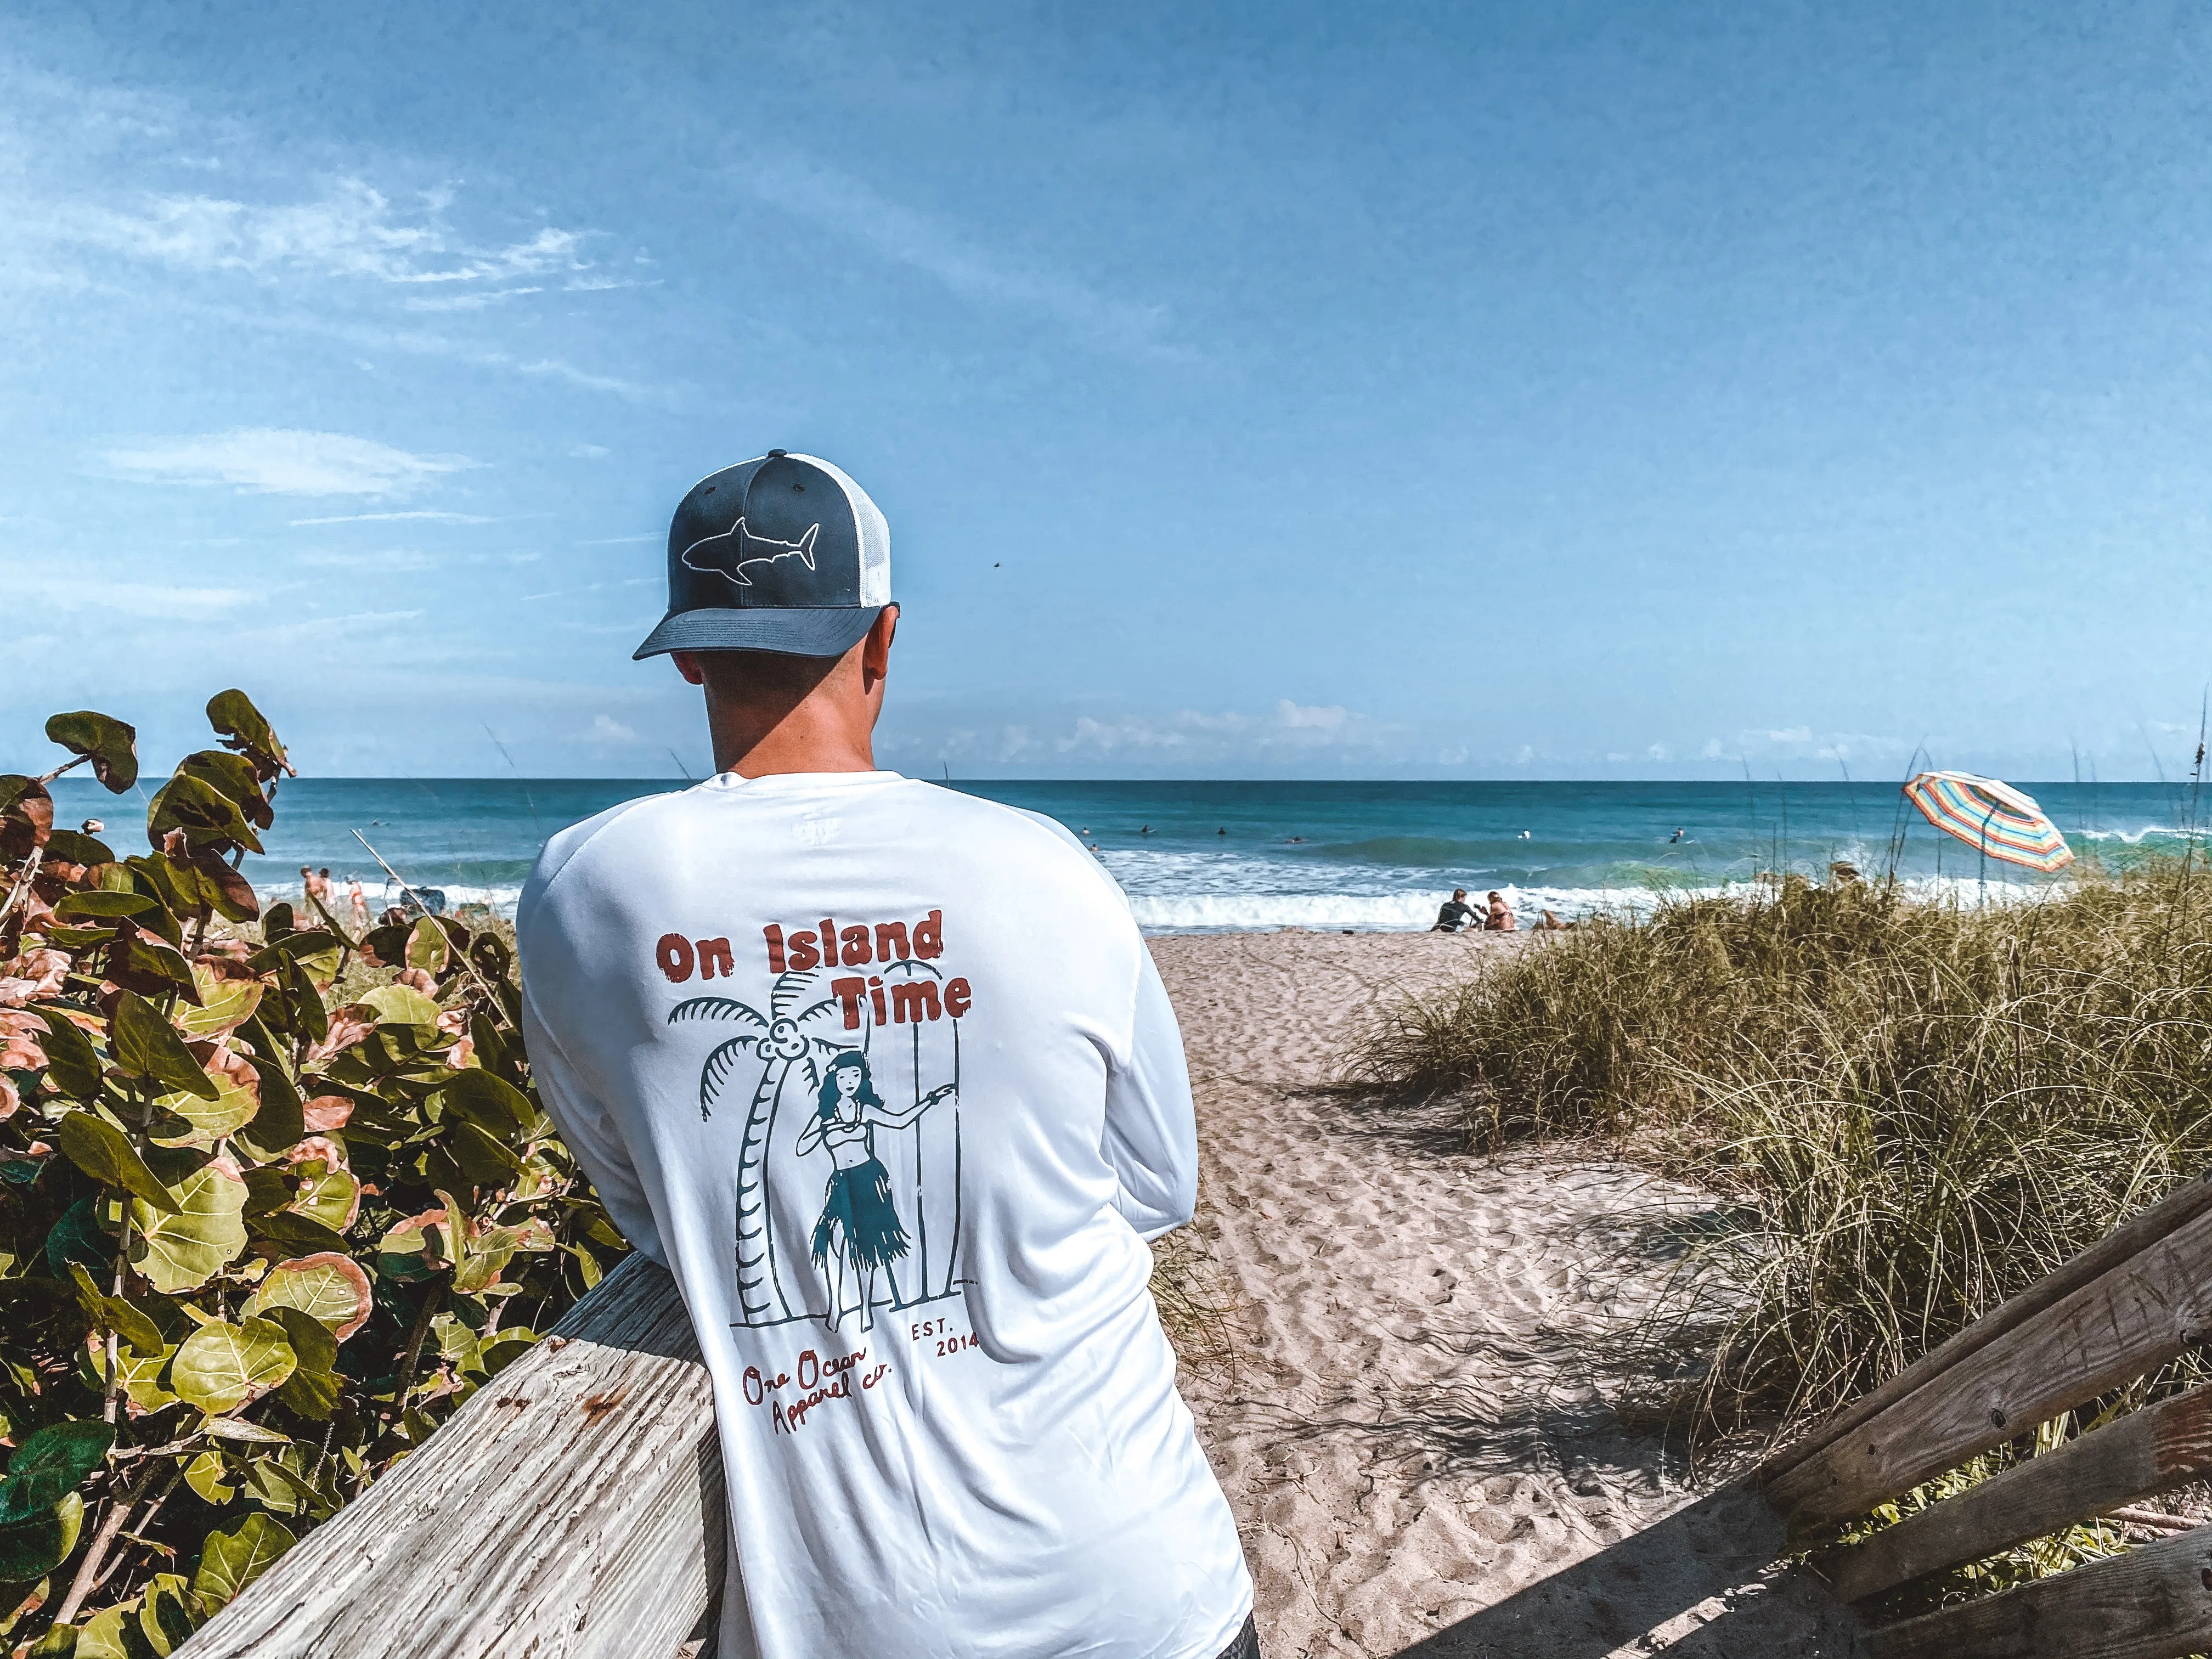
(875, 534)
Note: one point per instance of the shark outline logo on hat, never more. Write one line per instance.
(751, 549)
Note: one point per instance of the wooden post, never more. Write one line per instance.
(572, 1509)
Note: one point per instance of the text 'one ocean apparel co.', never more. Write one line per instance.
(885, 1077)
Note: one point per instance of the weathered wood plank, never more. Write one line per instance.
(2154, 1602)
(570, 1510)
(2151, 1450)
(2133, 1235)
(2134, 1317)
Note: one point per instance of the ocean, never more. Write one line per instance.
(1206, 856)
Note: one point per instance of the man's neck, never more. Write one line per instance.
(802, 741)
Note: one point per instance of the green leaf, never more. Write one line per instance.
(416, 1246)
(209, 818)
(181, 1251)
(33, 1548)
(222, 1366)
(103, 1152)
(234, 1105)
(102, 1634)
(505, 1348)
(76, 1237)
(332, 1198)
(277, 1126)
(330, 1286)
(231, 775)
(401, 1004)
(72, 1064)
(141, 1377)
(426, 946)
(241, 726)
(148, 1046)
(111, 744)
(485, 1162)
(70, 846)
(224, 1004)
(205, 1475)
(51, 1464)
(152, 967)
(164, 1619)
(112, 1313)
(297, 1235)
(312, 1389)
(498, 1109)
(232, 1561)
(97, 901)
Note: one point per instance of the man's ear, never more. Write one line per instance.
(876, 644)
(687, 664)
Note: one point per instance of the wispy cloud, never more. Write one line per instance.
(848, 207)
(276, 460)
(93, 591)
(347, 229)
(476, 301)
(427, 515)
(109, 194)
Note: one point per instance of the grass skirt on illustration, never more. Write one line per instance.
(858, 1202)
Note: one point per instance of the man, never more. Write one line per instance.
(885, 1076)
(1454, 914)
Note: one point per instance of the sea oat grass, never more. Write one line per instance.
(1917, 1108)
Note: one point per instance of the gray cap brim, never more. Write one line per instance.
(789, 632)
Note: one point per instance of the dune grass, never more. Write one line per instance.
(1915, 1109)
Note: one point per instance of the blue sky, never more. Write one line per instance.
(1266, 390)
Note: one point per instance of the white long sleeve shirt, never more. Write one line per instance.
(886, 1077)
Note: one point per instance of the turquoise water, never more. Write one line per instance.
(1204, 855)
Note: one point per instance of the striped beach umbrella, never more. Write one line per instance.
(1994, 818)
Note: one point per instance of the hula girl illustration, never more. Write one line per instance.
(860, 1234)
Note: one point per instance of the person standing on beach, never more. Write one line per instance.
(358, 899)
(884, 1074)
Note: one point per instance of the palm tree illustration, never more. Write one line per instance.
(783, 1040)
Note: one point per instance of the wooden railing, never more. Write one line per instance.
(2114, 1314)
(571, 1508)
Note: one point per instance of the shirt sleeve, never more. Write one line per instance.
(1152, 1126)
(590, 1133)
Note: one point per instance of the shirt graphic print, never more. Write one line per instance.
(809, 1065)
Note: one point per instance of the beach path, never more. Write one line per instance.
(1413, 1428)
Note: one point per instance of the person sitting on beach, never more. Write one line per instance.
(884, 1074)
(1500, 919)
(1454, 912)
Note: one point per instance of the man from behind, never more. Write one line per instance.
(885, 1077)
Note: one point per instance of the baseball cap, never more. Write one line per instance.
(782, 553)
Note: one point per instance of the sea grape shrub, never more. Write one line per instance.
(259, 1234)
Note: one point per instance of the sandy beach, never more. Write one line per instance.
(1414, 1427)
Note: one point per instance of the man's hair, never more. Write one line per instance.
(1458, 892)
(762, 676)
